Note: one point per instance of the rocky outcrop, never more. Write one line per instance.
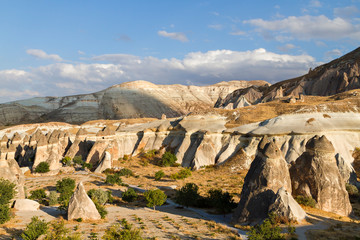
(267, 174)
(136, 99)
(106, 163)
(338, 76)
(26, 205)
(315, 174)
(81, 206)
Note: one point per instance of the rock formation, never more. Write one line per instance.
(81, 206)
(26, 205)
(267, 174)
(105, 163)
(315, 174)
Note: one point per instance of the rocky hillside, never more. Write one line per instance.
(337, 76)
(137, 99)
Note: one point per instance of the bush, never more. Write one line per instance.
(150, 154)
(53, 198)
(78, 160)
(159, 175)
(305, 200)
(188, 195)
(98, 195)
(113, 179)
(352, 190)
(7, 191)
(222, 201)
(66, 161)
(110, 197)
(167, 159)
(101, 209)
(43, 167)
(129, 195)
(4, 213)
(65, 187)
(38, 194)
(125, 172)
(125, 231)
(58, 231)
(267, 230)
(182, 174)
(34, 229)
(155, 198)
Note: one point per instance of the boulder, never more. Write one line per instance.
(315, 174)
(347, 171)
(26, 205)
(286, 207)
(105, 163)
(81, 206)
(267, 174)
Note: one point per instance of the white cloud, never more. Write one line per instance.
(200, 68)
(346, 12)
(38, 53)
(330, 55)
(286, 47)
(216, 26)
(237, 33)
(309, 27)
(174, 35)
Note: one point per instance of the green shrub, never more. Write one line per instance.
(53, 198)
(352, 190)
(110, 196)
(221, 201)
(155, 198)
(159, 175)
(65, 187)
(7, 191)
(66, 161)
(125, 231)
(38, 194)
(43, 167)
(126, 157)
(167, 159)
(87, 165)
(101, 209)
(188, 195)
(98, 195)
(306, 201)
(150, 154)
(125, 172)
(58, 231)
(34, 229)
(182, 174)
(78, 160)
(268, 230)
(113, 179)
(4, 213)
(129, 195)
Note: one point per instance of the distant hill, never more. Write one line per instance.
(337, 76)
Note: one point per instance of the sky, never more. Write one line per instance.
(67, 47)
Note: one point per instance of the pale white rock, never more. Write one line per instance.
(26, 205)
(105, 163)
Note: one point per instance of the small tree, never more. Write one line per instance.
(43, 167)
(220, 200)
(38, 194)
(113, 179)
(7, 191)
(159, 175)
(168, 159)
(269, 229)
(188, 195)
(125, 231)
(53, 198)
(66, 161)
(4, 213)
(34, 229)
(182, 174)
(155, 198)
(129, 195)
(98, 195)
(65, 187)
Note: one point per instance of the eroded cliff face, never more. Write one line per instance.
(197, 140)
(138, 99)
(338, 76)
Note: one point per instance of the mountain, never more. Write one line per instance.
(138, 99)
(337, 76)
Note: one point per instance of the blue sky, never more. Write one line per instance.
(55, 48)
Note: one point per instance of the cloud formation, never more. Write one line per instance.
(38, 53)
(174, 35)
(199, 68)
(309, 27)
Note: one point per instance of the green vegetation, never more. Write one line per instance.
(101, 209)
(306, 201)
(34, 229)
(66, 161)
(38, 194)
(125, 172)
(7, 192)
(53, 198)
(66, 188)
(77, 161)
(168, 159)
(58, 231)
(268, 230)
(43, 167)
(129, 195)
(223, 202)
(113, 179)
(159, 175)
(155, 198)
(352, 190)
(188, 195)
(150, 154)
(123, 231)
(182, 174)
(98, 195)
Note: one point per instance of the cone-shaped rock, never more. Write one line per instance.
(315, 174)
(286, 207)
(105, 163)
(81, 206)
(267, 174)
